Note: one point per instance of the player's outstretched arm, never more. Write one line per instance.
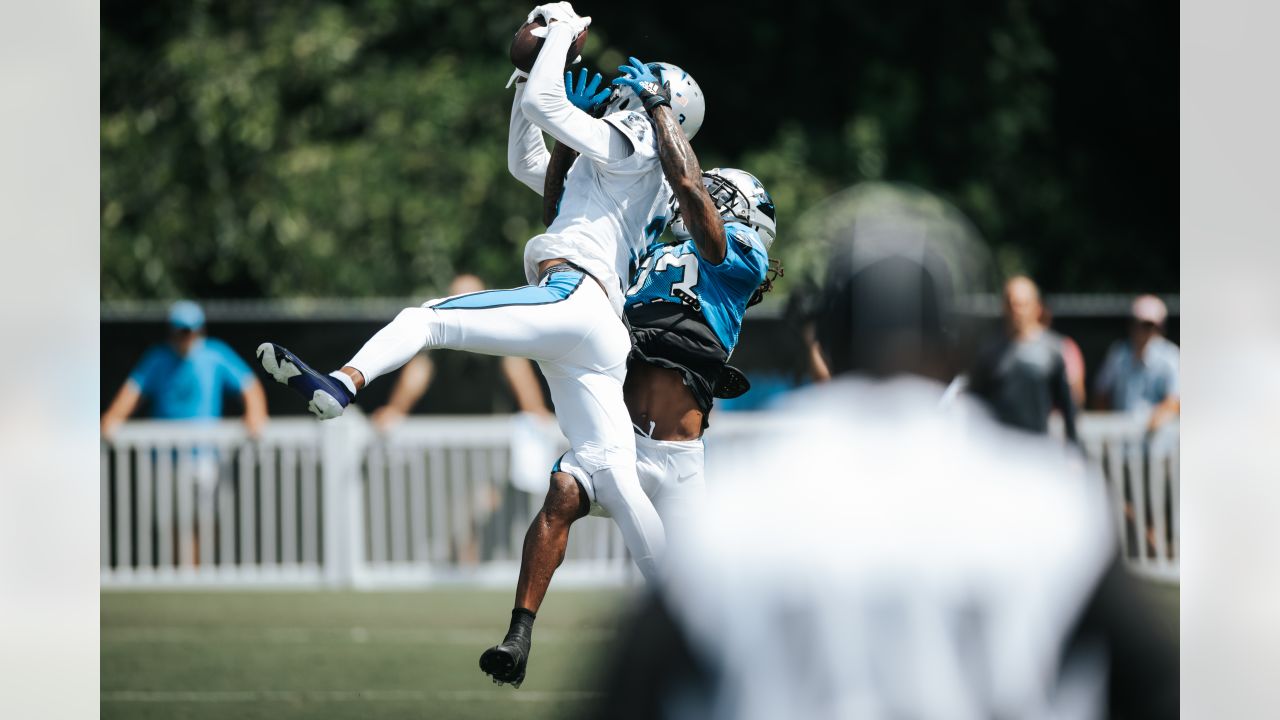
(562, 157)
(546, 104)
(679, 163)
(585, 95)
(527, 155)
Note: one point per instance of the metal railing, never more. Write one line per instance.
(430, 502)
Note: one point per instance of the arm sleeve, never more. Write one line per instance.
(235, 373)
(527, 155)
(144, 372)
(545, 104)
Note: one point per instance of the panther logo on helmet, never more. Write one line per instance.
(686, 97)
(739, 197)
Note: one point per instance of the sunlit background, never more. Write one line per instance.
(304, 170)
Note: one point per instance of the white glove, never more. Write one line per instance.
(577, 23)
(558, 12)
(551, 11)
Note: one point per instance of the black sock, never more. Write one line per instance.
(521, 622)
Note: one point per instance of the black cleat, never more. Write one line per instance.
(505, 662)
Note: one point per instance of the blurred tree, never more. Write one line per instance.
(328, 148)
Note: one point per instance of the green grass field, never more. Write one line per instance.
(343, 654)
(377, 655)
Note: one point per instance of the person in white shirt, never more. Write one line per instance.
(869, 551)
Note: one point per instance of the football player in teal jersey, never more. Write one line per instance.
(685, 306)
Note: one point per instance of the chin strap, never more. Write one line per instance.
(517, 76)
(773, 273)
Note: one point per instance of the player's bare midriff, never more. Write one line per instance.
(658, 398)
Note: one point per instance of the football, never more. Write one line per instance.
(525, 46)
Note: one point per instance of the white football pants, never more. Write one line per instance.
(671, 475)
(567, 324)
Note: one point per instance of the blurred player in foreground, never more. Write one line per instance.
(867, 554)
(569, 318)
(685, 309)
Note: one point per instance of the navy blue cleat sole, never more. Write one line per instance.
(326, 397)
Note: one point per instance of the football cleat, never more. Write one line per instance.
(326, 397)
(506, 662)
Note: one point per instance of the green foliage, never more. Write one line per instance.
(331, 148)
(289, 153)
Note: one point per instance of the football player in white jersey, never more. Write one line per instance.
(569, 318)
(685, 308)
(868, 554)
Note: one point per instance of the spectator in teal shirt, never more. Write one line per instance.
(185, 378)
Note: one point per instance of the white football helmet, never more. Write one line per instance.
(739, 197)
(686, 97)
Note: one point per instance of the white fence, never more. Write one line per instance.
(329, 503)
(1141, 472)
(334, 504)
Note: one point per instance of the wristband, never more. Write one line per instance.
(654, 95)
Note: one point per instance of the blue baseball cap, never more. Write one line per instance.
(186, 315)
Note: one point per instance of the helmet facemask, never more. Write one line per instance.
(739, 198)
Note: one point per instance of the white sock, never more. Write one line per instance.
(346, 381)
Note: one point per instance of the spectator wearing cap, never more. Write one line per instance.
(1140, 373)
(184, 379)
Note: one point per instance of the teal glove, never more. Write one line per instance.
(584, 96)
(641, 78)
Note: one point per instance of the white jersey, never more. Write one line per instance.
(606, 209)
(615, 197)
(864, 554)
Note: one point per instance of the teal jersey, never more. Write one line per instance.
(190, 387)
(677, 273)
